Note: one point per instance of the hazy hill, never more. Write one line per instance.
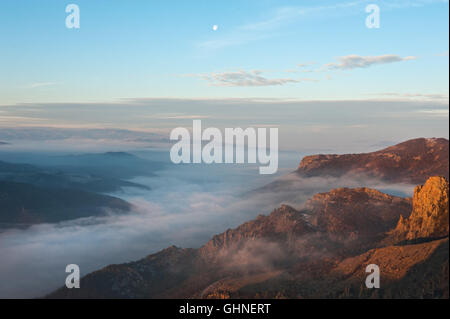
(24, 204)
(119, 165)
(47, 194)
(88, 179)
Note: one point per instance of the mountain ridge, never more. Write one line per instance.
(264, 255)
(412, 161)
(24, 204)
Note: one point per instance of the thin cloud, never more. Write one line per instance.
(244, 79)
(400, 4)
(12, 120)
(443, 54)
(281, 17)
(354, 61)
(176, 116)
(435, 112)
(187, 117)
(264, 28)
(39, 84)
(304, 65)
(420, 96)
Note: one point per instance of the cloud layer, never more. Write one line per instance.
(244, 78)
(354, 61)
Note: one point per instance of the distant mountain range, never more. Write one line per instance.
(25, 204)
(104, 172)
(67, 187)
(320, 251)
(119, 165)
(52, 177)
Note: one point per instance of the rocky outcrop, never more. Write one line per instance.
(361, 214)
(412, 161)
(282, 225)
(430, 215)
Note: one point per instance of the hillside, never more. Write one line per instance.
(63, 177)
(294, 254)
(25, 204)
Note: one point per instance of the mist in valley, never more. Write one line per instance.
(182, 205)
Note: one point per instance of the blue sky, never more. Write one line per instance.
(306, 50)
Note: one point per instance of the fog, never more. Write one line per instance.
(186, 206)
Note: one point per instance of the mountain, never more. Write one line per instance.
(359, 215)
(25, 204)
(282, 225)
(118, 165)
(52, 177)
(295, 254)
(430, 215)
(412, 161)
(413, 271)
(66, 188)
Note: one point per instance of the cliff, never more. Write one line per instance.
(356, 214)
(430, 215)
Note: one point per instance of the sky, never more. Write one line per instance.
(308, 126)
(302, 50)
(135, 70)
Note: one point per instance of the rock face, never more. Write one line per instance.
(430, 215)
(412, 161)
(282, 225)
(356, 214)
